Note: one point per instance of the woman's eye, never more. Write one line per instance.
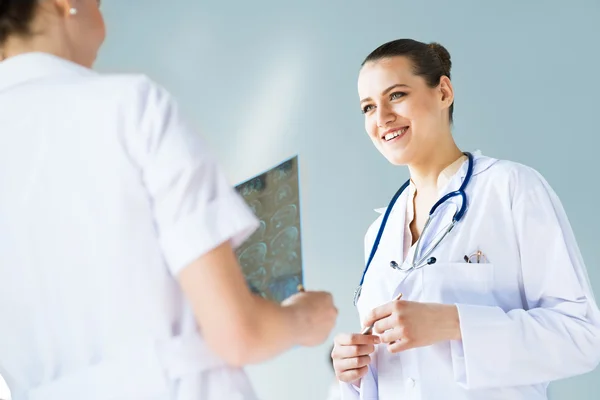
(397, 95)
(367, 108)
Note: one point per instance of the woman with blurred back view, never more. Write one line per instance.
(117, 229)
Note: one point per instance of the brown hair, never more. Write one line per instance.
(16, 17)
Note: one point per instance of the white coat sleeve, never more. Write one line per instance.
(367, 391)
(195, 208)
(558, 334)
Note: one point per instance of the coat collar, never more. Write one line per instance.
(480, 164)
(29, 67)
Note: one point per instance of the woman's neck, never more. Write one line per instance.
(425, 172)
(17, 45)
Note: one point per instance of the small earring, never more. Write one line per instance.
(73, 11)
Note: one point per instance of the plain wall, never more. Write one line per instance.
(268, 79)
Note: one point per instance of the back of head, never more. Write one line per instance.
(431, 61)
(16, 17)
(52, 26)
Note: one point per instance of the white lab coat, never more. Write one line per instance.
(527, 316)
(334, 392)
(105, 195)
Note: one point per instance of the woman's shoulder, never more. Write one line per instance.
(141, 96)
(131, 86)
(515, 179)
(485, 162)
(508, 170)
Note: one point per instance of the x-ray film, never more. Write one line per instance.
(271, 258)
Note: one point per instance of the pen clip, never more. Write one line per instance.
(478, 257)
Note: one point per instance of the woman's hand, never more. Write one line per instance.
(405, 325)
(351, 356)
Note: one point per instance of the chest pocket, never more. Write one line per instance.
(458, 282)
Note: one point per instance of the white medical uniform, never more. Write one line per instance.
(527, 313)
(334, 392)
(105, 195)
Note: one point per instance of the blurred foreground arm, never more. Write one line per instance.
(199, 219)
(244, 328)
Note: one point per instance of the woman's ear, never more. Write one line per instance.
(66, 8)
(446, 91)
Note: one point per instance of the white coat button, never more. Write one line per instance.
(410, 382)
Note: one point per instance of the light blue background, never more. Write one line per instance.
(267, 79)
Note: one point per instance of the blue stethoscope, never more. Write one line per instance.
(424, 259)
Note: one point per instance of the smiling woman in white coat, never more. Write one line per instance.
(474, 287)
(117, 228)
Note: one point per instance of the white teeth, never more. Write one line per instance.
(395, 134)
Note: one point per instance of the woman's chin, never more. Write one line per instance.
(397, 158)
